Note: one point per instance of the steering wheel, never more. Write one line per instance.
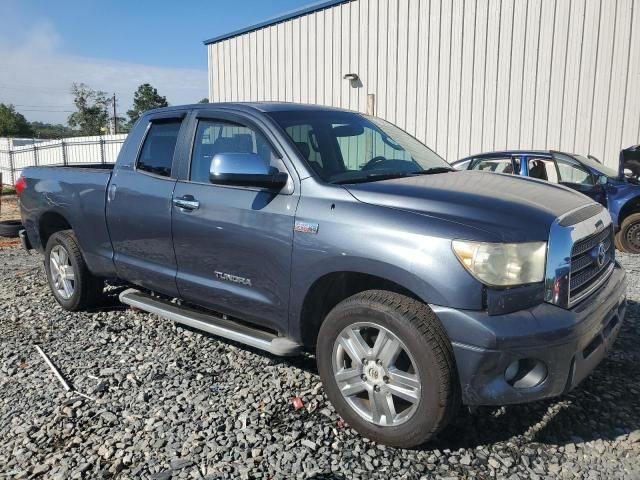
(375, 161)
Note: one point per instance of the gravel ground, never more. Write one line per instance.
(9, 207)
(173, 403)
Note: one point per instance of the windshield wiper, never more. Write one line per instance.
(433, 170)
(373, 177)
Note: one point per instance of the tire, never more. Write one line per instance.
(423, 345)
(86, 289)
(10, 228)
(629, 235)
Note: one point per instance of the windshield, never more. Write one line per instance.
(346, 147)
(592, 163)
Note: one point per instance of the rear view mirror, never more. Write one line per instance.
(348, 130)
(245, 170)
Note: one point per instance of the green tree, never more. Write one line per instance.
(12, 123)
(92, 114)
(204, 100)
(48, 130)
(145, 98)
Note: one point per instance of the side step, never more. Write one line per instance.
(221, 327)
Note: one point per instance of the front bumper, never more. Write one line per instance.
(570, 344)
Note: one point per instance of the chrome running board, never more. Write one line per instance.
(210, 323)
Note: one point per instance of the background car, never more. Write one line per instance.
(618, 190)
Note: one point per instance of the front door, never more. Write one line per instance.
(233, 244)
(573, 175)
(139, 211)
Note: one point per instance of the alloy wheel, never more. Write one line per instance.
(62, 274)
(376, 374)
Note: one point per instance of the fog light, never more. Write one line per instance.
(525, 373)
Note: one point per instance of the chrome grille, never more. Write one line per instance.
(586, 273)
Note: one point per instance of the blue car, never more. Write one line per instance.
(618, 190)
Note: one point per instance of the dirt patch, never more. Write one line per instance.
(9, 208)
(9, 242)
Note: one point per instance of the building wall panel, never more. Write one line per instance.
(463, 76)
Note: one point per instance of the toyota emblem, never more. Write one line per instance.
(601, 255)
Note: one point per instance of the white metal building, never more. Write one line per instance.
(464, 76)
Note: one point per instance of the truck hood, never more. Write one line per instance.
(497, 207)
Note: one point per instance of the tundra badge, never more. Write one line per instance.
(304, 227)
(233, 278)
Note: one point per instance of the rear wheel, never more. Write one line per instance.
(629, 234)
(72, 284)
(388, 368)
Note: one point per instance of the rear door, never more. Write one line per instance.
(233, 244)
(139, 208)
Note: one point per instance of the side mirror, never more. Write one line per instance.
(602, 180)
(245, 170)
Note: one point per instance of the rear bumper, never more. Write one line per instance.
(24, 240)
(570, 344)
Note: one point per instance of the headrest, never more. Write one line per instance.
(304, 149)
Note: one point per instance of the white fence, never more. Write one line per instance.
(70, 151)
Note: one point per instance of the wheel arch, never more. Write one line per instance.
(332, 288)
(49, 223)
(630, 207)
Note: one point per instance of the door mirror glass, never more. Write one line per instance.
(602, 179)
(245, 169)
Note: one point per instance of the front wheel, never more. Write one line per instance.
(388, 367)
(72, 284)
(629, 234)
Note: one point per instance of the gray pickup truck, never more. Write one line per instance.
(294, 227)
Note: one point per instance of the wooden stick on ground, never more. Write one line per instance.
(65, 385)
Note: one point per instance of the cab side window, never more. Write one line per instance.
(218, 136)
(573, 173)
(462, 165)
(495, 165)
(543, 169)
(159, 145)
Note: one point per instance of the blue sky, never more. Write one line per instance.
(114, 46)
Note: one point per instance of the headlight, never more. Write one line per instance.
(503, 264)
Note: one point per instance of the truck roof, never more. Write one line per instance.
(259, 106)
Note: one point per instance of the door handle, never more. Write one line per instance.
(187, 202)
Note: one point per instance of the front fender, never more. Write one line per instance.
(408, 249)
(620, 197)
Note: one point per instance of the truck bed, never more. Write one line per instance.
(75, 195)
